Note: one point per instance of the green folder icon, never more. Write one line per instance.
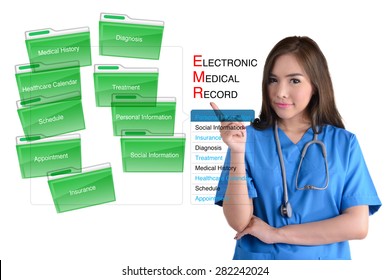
(120, 35)
(117, 79)
(51, 116)
(39, 155)
(152, 153)
(44, 80)
(156, 117)
(56, 46)
(89, 186)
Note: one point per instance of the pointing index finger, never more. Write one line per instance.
(217, 111)
(214, 106)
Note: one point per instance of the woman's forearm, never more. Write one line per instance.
(352, 224)
(237, 206)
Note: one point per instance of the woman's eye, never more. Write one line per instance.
(271, 80)
(295, 81)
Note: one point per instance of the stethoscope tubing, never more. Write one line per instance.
(286, 208)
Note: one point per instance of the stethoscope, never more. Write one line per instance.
(286, 208)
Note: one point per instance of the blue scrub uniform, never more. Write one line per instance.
(350, 185)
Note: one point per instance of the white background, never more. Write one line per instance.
(98, 242)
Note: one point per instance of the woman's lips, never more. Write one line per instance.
(283, 105)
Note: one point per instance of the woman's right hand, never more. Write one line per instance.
(232, 133)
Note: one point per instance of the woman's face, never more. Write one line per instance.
(289, 89)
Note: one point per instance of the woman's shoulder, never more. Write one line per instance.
(339, 134)
(251, 130)
(338, 130)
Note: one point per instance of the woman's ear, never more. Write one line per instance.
(314, 90)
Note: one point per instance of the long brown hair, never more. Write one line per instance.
(322, 108)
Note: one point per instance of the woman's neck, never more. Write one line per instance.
(294, 129)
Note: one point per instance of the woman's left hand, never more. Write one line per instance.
(259, 229)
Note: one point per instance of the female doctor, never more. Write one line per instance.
(306, 189)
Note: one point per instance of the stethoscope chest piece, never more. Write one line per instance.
(286, 210)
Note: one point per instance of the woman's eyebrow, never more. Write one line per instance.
(294, 74)
(289, 75)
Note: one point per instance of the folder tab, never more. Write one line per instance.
(39, 155)
(51, 116)
(55, 46)
(152, 153)
(120, 35)
(89, 186)
(157, 117)
(47, 80)
(135, 83)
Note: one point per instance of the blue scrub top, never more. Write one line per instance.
(350, 185)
